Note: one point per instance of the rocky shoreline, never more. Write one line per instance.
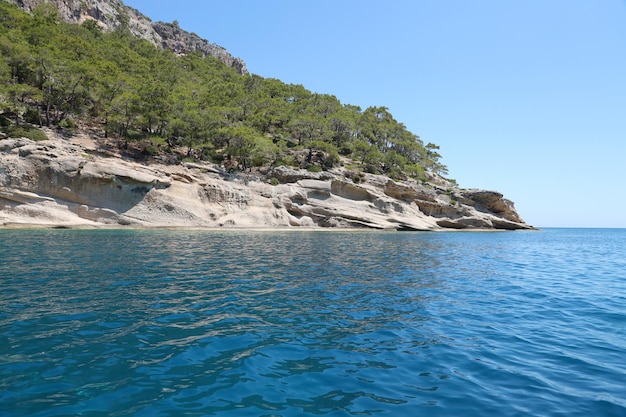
(74, 183)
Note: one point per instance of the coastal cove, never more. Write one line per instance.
(234, 322)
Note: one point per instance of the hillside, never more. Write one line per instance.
(97, 98)
(110, 14)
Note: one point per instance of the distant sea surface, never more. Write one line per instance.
(240, 323)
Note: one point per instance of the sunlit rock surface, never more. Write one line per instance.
(67, 183)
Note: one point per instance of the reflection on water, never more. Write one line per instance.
(319, 323)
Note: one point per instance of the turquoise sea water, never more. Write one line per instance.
(233, 323)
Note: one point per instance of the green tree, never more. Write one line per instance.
(432, 158)
(242, 142)
(54, 71)
(14, 99)
(125, 109)
(265, 151)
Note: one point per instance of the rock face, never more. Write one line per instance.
(181, 42)
(64, 184)
(108, 14)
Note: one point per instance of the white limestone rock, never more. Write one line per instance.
(58, 183)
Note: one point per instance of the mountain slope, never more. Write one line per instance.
(111, 13)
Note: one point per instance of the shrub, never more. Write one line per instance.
(68, 124)
(208, 153)
(329, 156)
(356, 176)
(31, 133)
(151, 150)
(32, 116)
(371, 169)
(274, 181)
(288, 160)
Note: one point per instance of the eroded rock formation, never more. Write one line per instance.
(59, 183)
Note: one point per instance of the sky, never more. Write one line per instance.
(527, 98)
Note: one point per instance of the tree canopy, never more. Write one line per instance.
(56, 74)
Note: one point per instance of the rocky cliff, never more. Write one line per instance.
(109, 14)
(76, 182)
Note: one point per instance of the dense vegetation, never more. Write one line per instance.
(57, 74)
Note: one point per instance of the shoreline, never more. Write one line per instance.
(42, 226)
(57, 184)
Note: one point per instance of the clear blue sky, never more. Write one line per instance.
(524, 97)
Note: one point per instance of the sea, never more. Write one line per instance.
(312, 323)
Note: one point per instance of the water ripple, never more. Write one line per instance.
(160, 323)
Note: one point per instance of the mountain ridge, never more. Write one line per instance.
(109, 14)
